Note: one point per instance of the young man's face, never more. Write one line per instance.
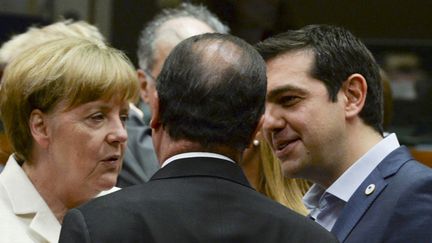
(303, 126)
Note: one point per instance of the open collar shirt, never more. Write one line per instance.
(325, 205)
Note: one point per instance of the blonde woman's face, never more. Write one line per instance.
(86, 145)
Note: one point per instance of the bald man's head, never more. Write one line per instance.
(212, 90)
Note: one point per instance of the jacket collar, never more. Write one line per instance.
(358, 204)
(25, 200)
(203, 166)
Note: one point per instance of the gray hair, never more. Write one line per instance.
(147, 39)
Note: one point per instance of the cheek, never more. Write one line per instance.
(84, 148)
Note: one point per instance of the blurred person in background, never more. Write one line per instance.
(63, 104)
(412, 88)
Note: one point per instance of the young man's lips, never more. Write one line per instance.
(285, 148)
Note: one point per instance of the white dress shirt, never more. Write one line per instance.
(325, 205)
(195, 154)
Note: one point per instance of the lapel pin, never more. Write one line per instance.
(370, 189)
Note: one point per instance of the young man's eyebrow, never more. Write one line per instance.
(274, 93)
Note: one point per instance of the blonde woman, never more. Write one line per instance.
(63, 105)
(35, 36)
(264, 173)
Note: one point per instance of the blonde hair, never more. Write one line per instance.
(35, 36)
(70, 70)
(274, 185)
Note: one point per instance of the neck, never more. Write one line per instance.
(359, 141)
(167, 147)
(46, 188)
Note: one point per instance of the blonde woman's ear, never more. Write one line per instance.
(38, 128)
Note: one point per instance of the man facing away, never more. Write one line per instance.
(157, 40)
(200, 194)
(324, 122)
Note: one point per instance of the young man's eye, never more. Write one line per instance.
(288, 100)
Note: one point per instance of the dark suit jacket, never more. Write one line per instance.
(398, 210)
(190, 200)
(139, 162)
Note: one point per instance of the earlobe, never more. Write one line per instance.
(38, 128)
(355, 90)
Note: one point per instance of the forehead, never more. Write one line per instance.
(178, 29)
(173, 32)
(291, 62)
(291, 72)
(102, 103)
(290, 65)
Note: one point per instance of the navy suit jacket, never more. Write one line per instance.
(398, 210)
(190, 200)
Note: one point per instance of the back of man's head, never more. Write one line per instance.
(212, 91)
(153, 34)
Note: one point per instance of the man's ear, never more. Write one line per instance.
(38, 128)
(144, 83)
(355, 91)
(155, 119)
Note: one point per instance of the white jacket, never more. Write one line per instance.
(24, 215)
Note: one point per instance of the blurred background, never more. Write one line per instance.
(399, 34)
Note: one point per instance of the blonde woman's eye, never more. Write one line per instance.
(97, 117)
(124, 118)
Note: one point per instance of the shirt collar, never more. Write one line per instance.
(312, 197)
(195, 154)
(345, 186)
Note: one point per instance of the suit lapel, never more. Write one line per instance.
(26, 202)
(46, 225)
(360, 201)
(358, 205)
(203, 166)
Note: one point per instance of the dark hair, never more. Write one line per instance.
(212, 90)
(338, 54)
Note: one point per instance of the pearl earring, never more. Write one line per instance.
(256, 142)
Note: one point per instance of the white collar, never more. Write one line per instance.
(345, 186)
(25, 199)
(135, 109)
(195, 154)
